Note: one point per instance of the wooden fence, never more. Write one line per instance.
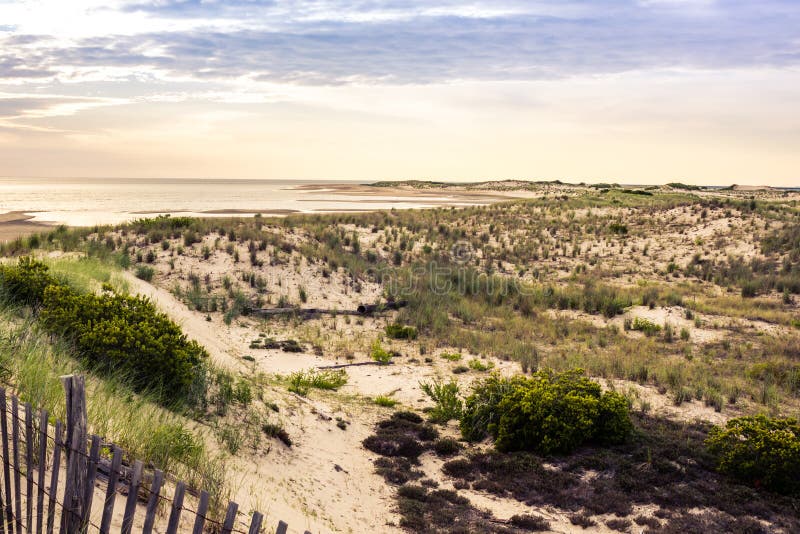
(34, 498)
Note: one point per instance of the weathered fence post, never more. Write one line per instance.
(9, 513)
(75, 490)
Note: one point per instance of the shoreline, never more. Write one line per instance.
(15, 224)
(21, 223)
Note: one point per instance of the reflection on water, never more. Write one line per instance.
(86, 202)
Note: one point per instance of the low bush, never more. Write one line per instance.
(762, 451)
(301, 382)
(276, 430)
(145, 273)
(480, 415)
(451, 356)
(547, 413)
(649, 328)
(404, 435)
(379, 354)
(446, 446)
(445, 395)
(385, 401)
(398, 331)
(477, 365)
(25, 282)
(531, 523)
(126, 334)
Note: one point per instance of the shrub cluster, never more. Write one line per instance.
(759, 450)
(119, 333)
(645, 325)
(25, 282)
(547, 413)
(398, 331)
(301, 382)
(445, 395)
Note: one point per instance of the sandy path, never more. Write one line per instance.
(193, 324)
(326, 481)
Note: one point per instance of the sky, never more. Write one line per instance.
(630, 91)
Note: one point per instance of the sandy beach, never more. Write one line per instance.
(90, 203)
(18, 224)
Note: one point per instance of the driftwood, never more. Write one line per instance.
(343, 365)
(363, 309)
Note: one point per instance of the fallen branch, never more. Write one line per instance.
(363, 309)
(342, 365)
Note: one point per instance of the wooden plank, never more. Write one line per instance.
(70, 512)
(255, 523)
(43, 429)
(177, 507)
(282, 527)
(9, 515)
(91, 474)
(111, 491)
(230, 518)
(15, 459)
(28, 467)
(51, 509)
(133, 496)
(2, 513)
(75, 391)
(202, 510)
(152, 504)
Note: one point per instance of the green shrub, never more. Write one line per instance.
(113, 333)
(126, 334)
(618, 228)
(649, 328)
(379, 354)
(480, 407)
(446, 446)
(547, 413)
(385, 401)
(301, 382)
(445, 395)
(145, 273)
(451, 356)
(398, 331)
(750, 289)
(25, 282)
(759, 450)
(478, 365)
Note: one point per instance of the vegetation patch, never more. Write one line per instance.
(301, 382)
(761, 451)
(548, 412)
(114, 333)
(399, 331)
(664, 464)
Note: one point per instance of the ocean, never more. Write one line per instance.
(87, 202)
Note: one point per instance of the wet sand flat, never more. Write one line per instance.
(18, 224)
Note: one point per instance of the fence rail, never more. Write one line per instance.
(36, 498)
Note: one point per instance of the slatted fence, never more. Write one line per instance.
(55, 478)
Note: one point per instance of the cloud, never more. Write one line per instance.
(533, 40)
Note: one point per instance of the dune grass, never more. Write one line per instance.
(87, 274)
(32, 362)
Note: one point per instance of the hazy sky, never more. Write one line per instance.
(644, 91)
